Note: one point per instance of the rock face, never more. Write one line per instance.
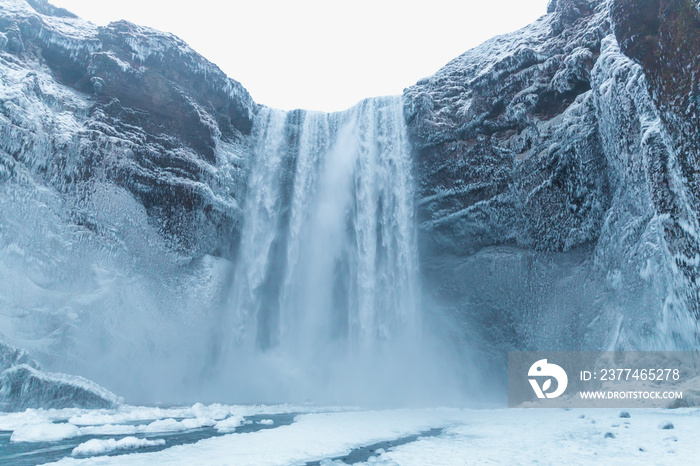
(24, 385)
(662, 36)
(128, 106)
(575, 137)
(123, 156)
(493, 133)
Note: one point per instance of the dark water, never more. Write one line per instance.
(362, 454)
(29, 454)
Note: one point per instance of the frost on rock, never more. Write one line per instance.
(663, 39)
(566, 153)
(24, 387)
(650, 216)
(506, 141)
(128, 105)
(10, 357)
(123, 158)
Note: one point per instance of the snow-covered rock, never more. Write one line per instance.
(24, 387)
(122, 165)
(125, 105)
(506, 140)
(572, 139)
(10, 357)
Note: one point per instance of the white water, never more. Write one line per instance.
(328, 245)
(325, 294)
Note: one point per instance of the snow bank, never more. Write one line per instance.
(100, 447)
(164, 425)
(549, 436)
(44, 433)
(312, 437)
(213, 412)
(131, 420)
(229, 424)
(488, 436)
(41, 429)
(15, 420)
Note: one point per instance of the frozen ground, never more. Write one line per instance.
(286, 434)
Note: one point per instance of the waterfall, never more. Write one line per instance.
(328, 251)
(324, 301)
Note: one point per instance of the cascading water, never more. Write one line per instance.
(327, 272)
(321, 300)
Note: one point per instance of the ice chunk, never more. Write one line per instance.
(100, 447)
(198, 422)
(228, 425)
(172, 425)
(164, 425)
(44, 432)
(110, 429)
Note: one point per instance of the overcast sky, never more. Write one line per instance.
(322, 55)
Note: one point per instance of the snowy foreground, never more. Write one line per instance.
(285, 434)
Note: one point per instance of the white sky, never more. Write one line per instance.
(322, 55)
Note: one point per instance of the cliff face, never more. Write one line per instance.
(662, 36)
(506, 139)
(129, 107)
(566, 152)
(123, 156)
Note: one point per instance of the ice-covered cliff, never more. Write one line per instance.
(562, 160)
(124, 106)
(122, 165)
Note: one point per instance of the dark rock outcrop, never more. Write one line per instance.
(506, 140)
